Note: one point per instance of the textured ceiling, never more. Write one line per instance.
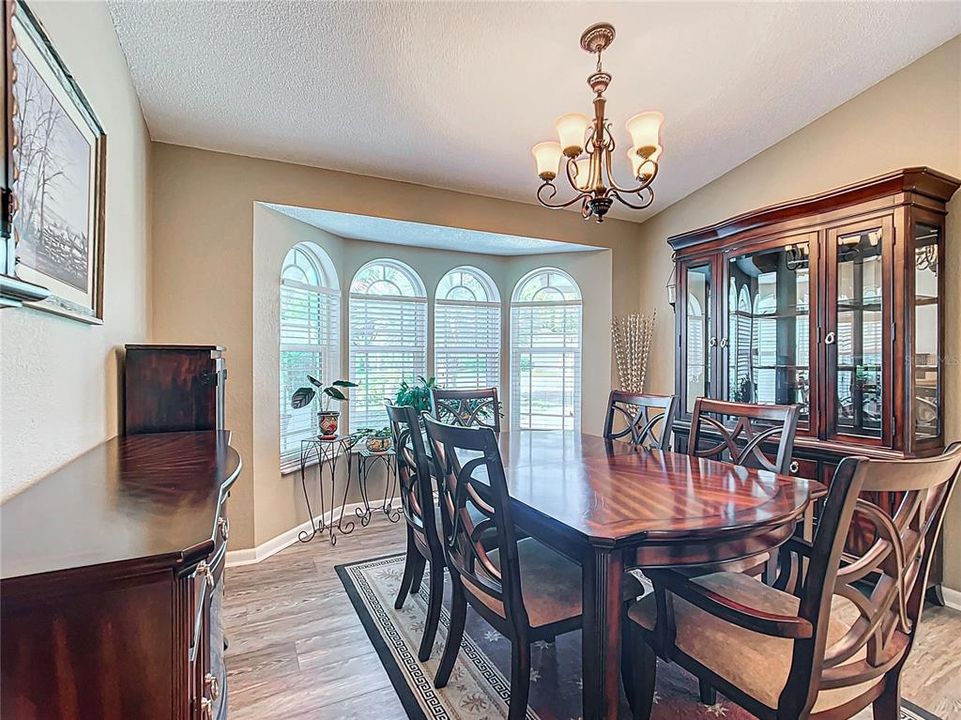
(412, 234)
(455, 94)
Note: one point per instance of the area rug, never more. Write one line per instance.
(479, 688)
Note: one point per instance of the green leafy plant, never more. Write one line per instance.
(417, 396)
(303, 396)
(370, 432)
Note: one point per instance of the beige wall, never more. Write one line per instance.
(911, 118)
(58, 394)
(278, 498)
(203, 257)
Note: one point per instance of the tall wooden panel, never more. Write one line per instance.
(173, 388)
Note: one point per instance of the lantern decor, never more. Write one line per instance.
(632, 336)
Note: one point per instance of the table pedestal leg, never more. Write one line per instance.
(601, 647)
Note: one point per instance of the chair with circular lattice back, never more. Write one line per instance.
(522, 588)
(467, 408)
(744, 434)
(642, 420)
(832, 635)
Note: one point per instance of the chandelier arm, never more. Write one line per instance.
(555, 206)
(610, 137)
(644, 203)
(630, 191)
(572, 174)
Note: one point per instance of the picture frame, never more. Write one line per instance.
(55, 178)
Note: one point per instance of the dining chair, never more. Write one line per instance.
(467, 408)
(741, 433)
(833, 634)
(424, 545)
(634, 409)
(523, 589)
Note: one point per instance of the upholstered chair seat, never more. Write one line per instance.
(550, 584)
(757, 664)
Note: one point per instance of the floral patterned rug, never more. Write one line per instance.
(479, 688)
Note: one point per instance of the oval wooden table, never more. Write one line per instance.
(604, 504)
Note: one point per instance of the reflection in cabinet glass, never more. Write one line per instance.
(927, 355)
(769, 308)
(859, 333)
(700, 335)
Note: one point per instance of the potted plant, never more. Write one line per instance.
(328, 419)
(418, 396)
(377, 441)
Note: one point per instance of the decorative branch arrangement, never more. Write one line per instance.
(632, 337)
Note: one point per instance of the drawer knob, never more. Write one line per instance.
(213, 685)
(795, 466)
(224, 525)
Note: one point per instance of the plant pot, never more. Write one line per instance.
(329, 420)
(378, 444)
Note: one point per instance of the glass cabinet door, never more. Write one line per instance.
(768, 335)
(857, 341)
(700, 340)
(927, 350)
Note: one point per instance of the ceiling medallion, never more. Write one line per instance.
(588, 146)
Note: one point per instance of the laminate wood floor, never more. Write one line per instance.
(297, 649)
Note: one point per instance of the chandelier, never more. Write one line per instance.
(587, 146)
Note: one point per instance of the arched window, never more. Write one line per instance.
(467, 330)
(546, 352)
(388, 337)
(309, 339)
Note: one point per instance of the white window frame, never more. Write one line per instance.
(320, 336)
(367, 404)
(568, 351)
(465, 329)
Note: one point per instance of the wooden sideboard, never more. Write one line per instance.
(111, 581)
(835, 303)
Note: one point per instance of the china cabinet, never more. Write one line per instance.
(834, 302)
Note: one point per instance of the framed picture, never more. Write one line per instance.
(57, 155)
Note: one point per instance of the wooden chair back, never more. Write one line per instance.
(412, 466)
(745, 441)
(885, 583)
(470, 474)
(467, 408)
(641, 424)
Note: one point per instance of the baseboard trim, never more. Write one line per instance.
(251, 556)
(952, 598)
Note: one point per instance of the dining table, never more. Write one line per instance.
(610, 506)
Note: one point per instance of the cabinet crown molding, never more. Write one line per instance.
(921, 181)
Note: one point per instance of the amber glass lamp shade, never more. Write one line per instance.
(571, 129)
(645, 130)
(583, 177)
(547, 155)
(642, 168)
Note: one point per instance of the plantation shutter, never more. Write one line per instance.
(388, 344)
(309, 345)
(467, 338)
(546, 353)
